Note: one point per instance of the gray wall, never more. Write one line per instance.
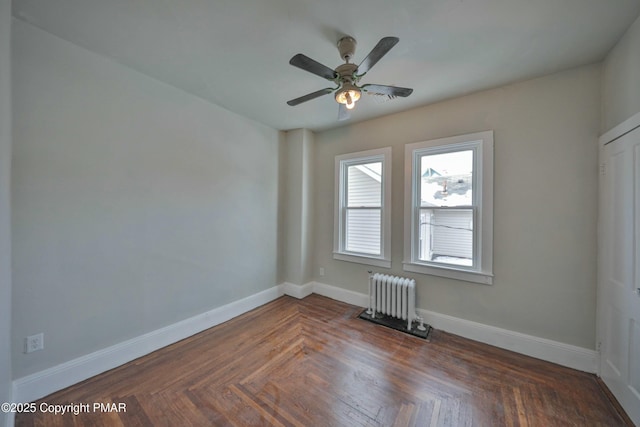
(135, 205)
(545, 203)
(5, 207)
(621, 79)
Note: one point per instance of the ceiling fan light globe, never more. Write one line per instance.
(348, 96)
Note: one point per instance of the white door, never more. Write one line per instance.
(619, 270)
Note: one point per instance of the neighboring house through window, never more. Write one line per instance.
(362, 220)
(449, 207)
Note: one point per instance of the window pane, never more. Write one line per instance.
(363, 231)
(446, 236)
(447, 179)
(364, 185)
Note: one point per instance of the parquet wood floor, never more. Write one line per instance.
(312, 362)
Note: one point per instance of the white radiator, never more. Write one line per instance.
(393, 296)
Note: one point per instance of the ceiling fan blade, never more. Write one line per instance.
(310, 96)
(384, 45)
(387, 90)
(304, 62)
(343, 112)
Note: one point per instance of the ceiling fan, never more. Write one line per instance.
(347, 75)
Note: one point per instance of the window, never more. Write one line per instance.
(449, 207)
(362, 220)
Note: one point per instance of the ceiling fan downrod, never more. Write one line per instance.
(347, 48)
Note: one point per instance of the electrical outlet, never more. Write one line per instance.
(34, 343)
(322, 271)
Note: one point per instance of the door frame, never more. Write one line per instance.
(629, 125)
(619, 131)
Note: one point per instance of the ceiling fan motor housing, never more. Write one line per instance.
(346, 73)
(347, 48)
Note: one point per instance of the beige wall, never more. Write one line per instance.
(135, 205)
(297, 187)
(5, 205)
(545, 203)
(621, 80)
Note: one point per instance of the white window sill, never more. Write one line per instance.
(450, 272)
(362, 259)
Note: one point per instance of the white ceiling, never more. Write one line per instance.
(235, 53)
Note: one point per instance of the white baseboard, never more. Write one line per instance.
(557, 352)
(329, 291)
(297, 291)
(40, 384)
(344, 295)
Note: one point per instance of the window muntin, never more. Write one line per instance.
(362, 219)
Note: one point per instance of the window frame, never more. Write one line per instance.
(342, 162)
(482, 205)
